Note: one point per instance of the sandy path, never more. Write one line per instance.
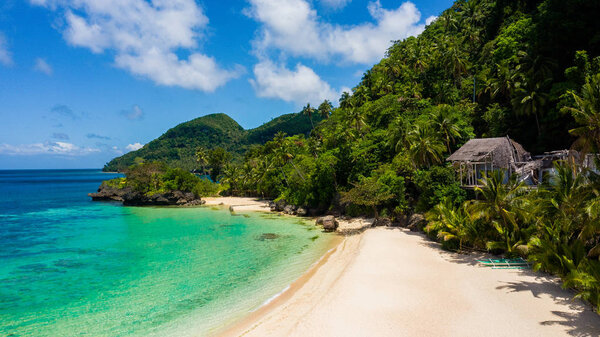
(395, 283)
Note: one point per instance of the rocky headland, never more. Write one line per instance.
(130, 197)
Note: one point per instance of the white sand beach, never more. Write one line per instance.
(392, 282)
(239, 204)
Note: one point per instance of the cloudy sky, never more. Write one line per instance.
(82, 81)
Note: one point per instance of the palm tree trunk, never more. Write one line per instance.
(285, 177)
(297, 171)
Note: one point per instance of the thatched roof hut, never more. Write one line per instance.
(479, 156)
(500, 151)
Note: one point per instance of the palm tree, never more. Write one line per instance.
(530, 100)
(505, 82)
(450, 223)
(446, 124)
(362, 93)
(397, 132)
(456, 58)
(232, 175)
(502, 205)
(424, 146)
(284, 155)
(345, 100)
(325, 109)
(586, 112)
(570, 196)
(308, 111)
(356, 119)
(202, 158)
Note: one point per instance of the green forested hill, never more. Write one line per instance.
(177, 146)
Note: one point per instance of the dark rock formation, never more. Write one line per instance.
(382, 222)
(328, 222)
(130, 197)
(301, 211)
(416, 222)
(283, 206)
(289, 209)
(106, 193)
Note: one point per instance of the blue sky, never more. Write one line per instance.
(83, 81)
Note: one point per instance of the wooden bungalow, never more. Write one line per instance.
(479, 156)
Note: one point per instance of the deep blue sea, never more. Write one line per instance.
(73, 267)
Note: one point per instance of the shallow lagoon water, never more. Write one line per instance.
(72, 267)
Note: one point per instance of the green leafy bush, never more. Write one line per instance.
(435, 185)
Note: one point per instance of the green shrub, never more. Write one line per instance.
(435, 185)
(115, 183)
(206, 188)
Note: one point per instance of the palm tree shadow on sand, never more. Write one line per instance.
(584, 322)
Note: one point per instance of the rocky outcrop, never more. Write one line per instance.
(130, 197)
(416, 222)
(106, 193)
(302, 211)
(284, 207)
(328, 222)
(382, 222)
(289, 209)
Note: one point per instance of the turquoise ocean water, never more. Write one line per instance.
(72, 267)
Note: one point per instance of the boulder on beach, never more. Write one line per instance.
(328, 222)
(289, 209)
(382, 222)
(416, 221)
(301, 211)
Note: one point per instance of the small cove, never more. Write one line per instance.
(74, 267)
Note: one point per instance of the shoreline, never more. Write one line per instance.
(239, 204)
(390, 281)
(246, 323)
(347, 226)
(393, 282)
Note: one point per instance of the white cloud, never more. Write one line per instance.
(134, 146)
(144, 37)
(42, 66)
(5, 54)
(293, 26)
(300, 85)
(50, 148)
(135, 113)
(430, 19)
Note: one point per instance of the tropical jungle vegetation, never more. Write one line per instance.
(529, 69)
(151, 178)
(177, 147)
